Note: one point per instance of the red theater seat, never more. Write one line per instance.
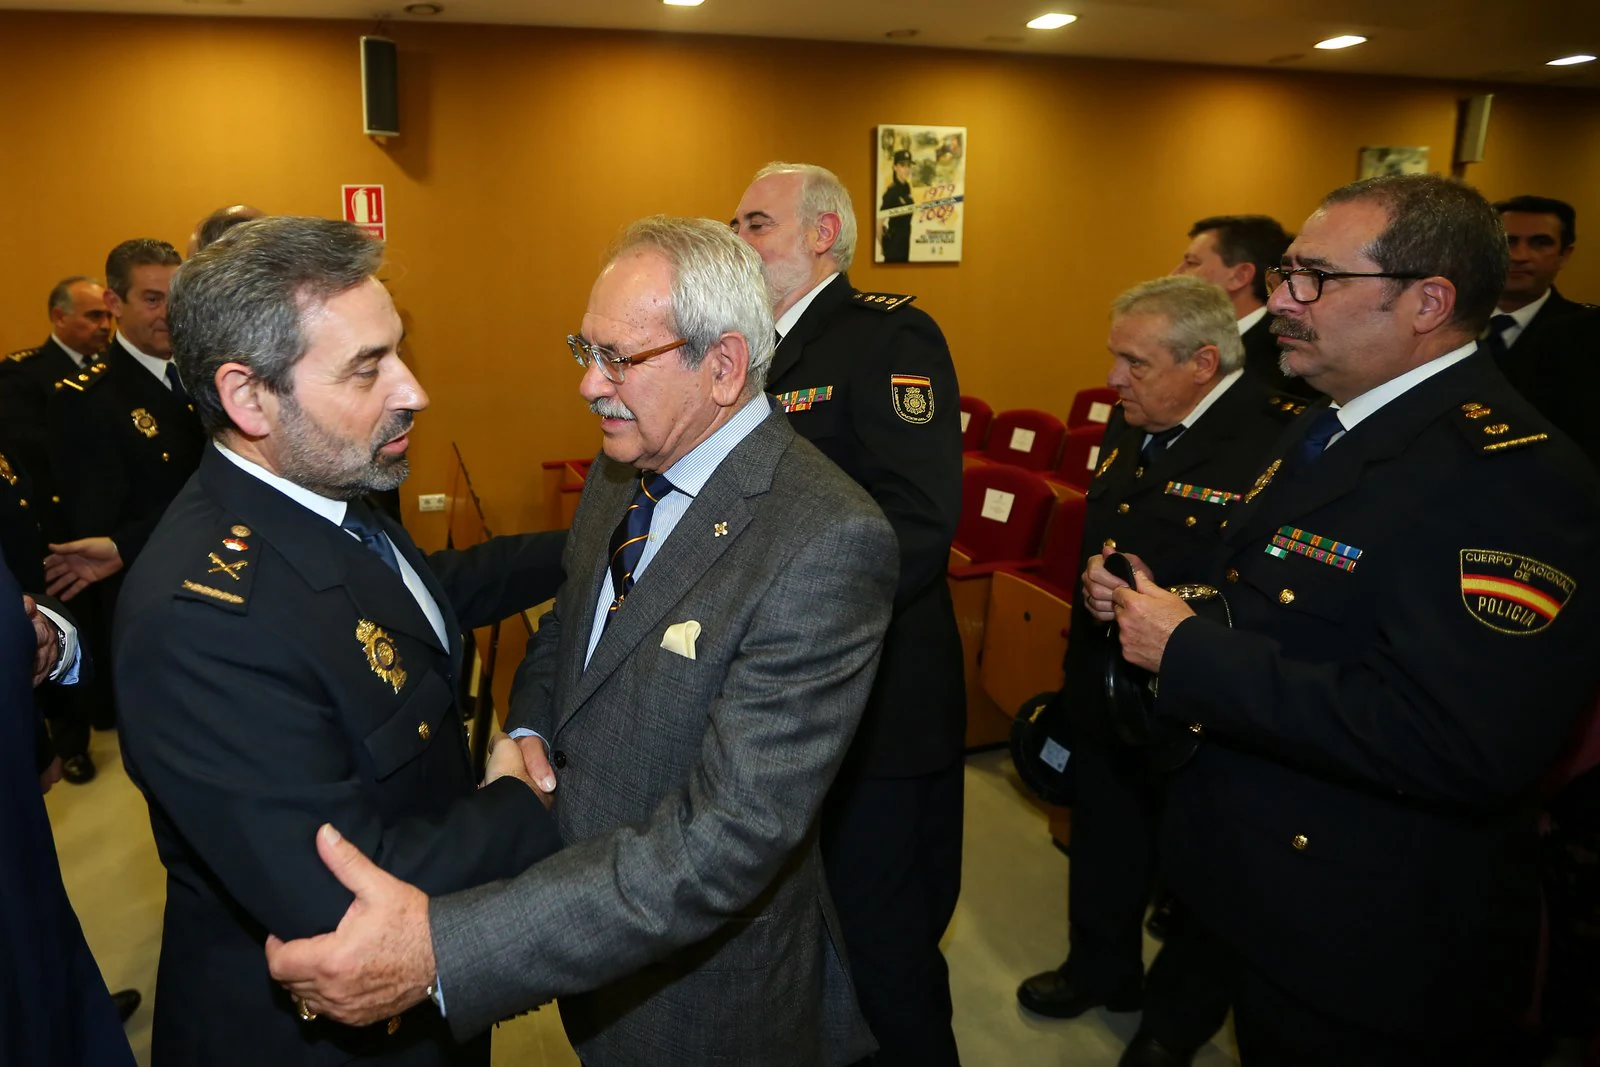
(1003, 515)
(1025, 632)
(975, 419)
(1091, 406)
(563, 484)
(1026, 438)
(1079, 457)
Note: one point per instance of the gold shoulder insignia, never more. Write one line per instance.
(1491, 435)
(223, 576)
(26, 353)
(84, 380)
(882, 301)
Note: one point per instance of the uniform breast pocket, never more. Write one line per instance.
(407, 733)
(1305, 587)
(821, 420)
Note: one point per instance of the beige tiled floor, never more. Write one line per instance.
(1011, 922)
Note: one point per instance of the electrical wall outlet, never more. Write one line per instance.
(430, 501)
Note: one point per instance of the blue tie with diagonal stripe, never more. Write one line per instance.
(631, 535)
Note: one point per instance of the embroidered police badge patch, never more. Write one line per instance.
(913, 397)
(1510, 593)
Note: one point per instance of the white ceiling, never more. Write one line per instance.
(1475, 40)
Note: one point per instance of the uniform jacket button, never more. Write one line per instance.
(1286, 597)
(1189, 520)
(423, 731)
(1300, 842)
(558, 758)
(394, 1024)
(1233, 575)
(1110, 542)
(1122, 508)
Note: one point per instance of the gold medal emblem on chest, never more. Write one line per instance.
(1263, 481)
(144, 422)
(382, 656)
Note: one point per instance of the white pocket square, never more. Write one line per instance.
(680, 638)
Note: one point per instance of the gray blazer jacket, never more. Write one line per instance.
(688, 921)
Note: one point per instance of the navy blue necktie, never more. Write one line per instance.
(631, 535)
(1159, 443)
(1323, 427)
(176, 382)
(359, 520)
(1495, 340)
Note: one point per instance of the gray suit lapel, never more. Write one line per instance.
(683, 560)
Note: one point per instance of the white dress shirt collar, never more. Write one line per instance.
(77, 357)
(327, 507)
(1251, 319)
(154, 364)
(1351, 414)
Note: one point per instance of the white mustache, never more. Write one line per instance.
(609, 407)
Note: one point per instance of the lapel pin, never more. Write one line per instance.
(719, 530)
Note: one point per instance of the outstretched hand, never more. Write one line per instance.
(379, 961)
(73, 566)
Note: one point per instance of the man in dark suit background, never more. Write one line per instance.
(1354, 841)
(1234, 252)
(697, 684)
(54, 1008)
(1541, 233)
(288, 658)
(868, 379)
(1181, 449)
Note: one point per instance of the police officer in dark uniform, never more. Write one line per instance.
(286, 657)
(80, 327)
(897, 228)
(1354, 843)
(124, 438)
(1181, 449)
(868, 379)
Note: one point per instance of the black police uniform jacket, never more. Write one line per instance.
(274, 675)
(27, 380)
(1168, 512)
(54, 1008)
(1358, 823)
(868, 379)
(1538, 339)
(122, 445)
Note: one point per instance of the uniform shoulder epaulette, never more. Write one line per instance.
(19, 356)
(223, 573)
(84, 380)
(881, 301)
(1490, 434)
(1285, 405)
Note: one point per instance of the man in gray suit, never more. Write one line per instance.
(696, 685)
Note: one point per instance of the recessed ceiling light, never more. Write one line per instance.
(683, 3)
(1568, 61)
(1341, 42)
(425, 10)
(1053, 21)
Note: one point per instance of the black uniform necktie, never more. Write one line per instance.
(1495, 339)
(1159, 442)
(175, 382)
(631, 535)
(359, 520)
(1323, 428)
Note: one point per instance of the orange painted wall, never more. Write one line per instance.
(524, 150)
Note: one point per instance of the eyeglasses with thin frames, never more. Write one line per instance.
(1302, 279)
(612, 366)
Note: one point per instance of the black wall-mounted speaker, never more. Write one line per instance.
(380, 87)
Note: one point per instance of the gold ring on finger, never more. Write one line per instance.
(304, 1005)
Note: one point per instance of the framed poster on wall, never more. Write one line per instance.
(920, 193)
(1387, 159)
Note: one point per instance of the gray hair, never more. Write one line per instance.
(717, 287)
(61, 295)
(245, 300)
(1197, 313)
(821, 191)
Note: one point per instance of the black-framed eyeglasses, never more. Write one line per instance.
(1305, 283)
(613, 366)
